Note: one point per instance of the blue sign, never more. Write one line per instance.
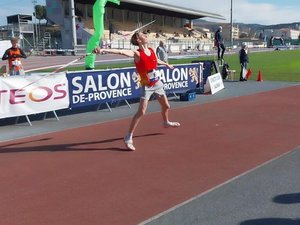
(100, 86)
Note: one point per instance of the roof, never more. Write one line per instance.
(158, 8)
(18, 18)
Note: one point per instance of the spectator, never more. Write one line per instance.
(103, 44)
(244, 60)
(219, 43)
(161, 52)
(14, 55)
(79, 30)
(3, 71)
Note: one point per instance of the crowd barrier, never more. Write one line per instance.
(39, 93)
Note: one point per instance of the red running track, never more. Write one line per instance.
(85, 176)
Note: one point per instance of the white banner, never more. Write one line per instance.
(31, 94)
(4, 45)
(245, 71)
(215, 83)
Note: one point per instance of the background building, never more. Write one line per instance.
(20, 26)
(74, 17)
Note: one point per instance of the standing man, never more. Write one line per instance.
(14, 55)
(161, 52)
(244, 60)
(219, 43)
(146, 62)
(79, 30)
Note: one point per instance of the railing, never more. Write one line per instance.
(21, 28)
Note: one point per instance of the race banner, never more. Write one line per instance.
(31, 94)
(100, 86)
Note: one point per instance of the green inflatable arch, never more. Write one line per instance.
(98, 20)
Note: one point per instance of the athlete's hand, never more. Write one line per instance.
(98, 50)
(170, 66)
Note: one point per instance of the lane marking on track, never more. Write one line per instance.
(219, 186)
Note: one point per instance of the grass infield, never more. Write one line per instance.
(282, 65)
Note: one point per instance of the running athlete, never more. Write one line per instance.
(14, 55)
(146, 62)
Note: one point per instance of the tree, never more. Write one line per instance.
(40, 12)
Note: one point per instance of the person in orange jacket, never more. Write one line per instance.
(14, 55)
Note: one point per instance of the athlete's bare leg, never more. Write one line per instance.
(134, 122)
(165, 106)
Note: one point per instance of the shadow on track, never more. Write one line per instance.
(80, 146)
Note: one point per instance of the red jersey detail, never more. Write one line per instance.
(13, 51)
(145, 65)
